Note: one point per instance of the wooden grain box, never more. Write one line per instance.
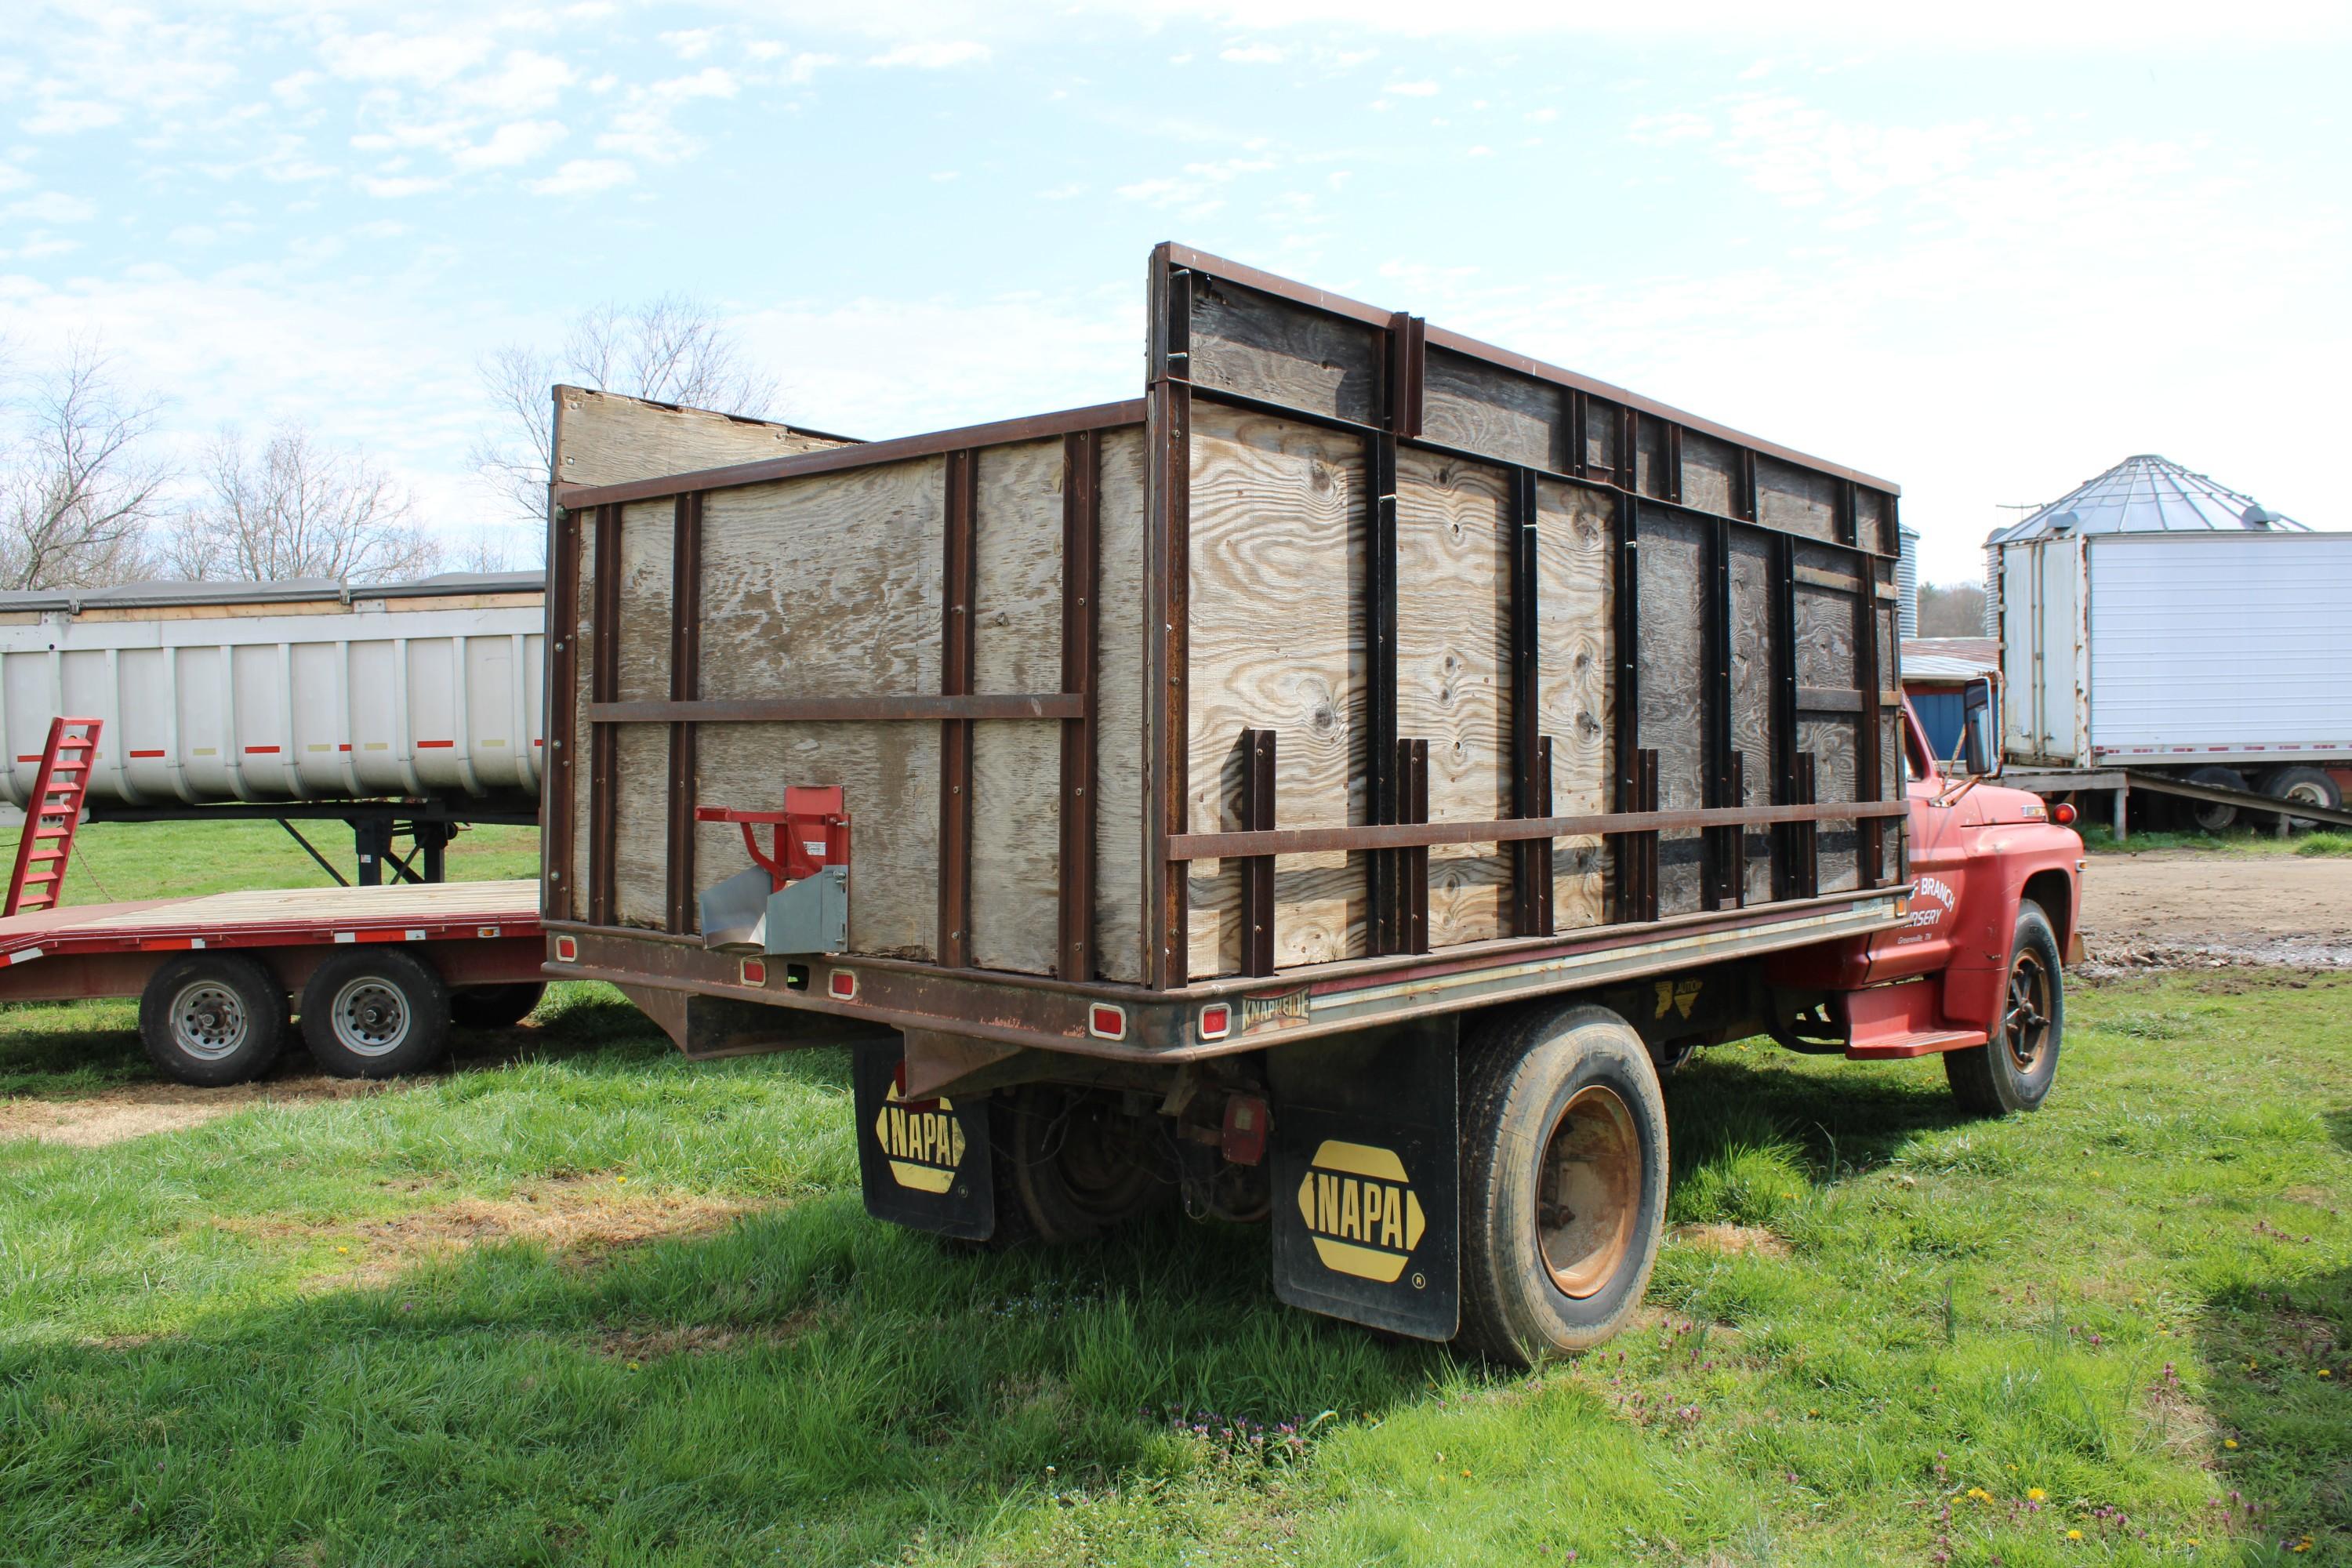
(1351, 640)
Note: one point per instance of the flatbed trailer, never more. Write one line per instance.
(376, 974)
(1333, 787)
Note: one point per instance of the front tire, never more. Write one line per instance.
(374, 1015)
(211, 1019)
(2014, 1069)
(1564, 1173)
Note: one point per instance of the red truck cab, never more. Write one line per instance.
(1976, 973)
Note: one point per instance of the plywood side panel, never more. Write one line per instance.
(1268, 348)
(1276, 642)
(1574, 691)
(1454, 649)
(825, 585)
(605, 439)
(1794, 500)
(1119, 712)
(1753, 735)
(1673, 691)
(641, 825)
(889, 774)
(584, 840)
(1649, 457)
(1016, 766)
(1496, 412)
(1825, 640)
(1708, 469)
(1832, 742)
(1601, 423)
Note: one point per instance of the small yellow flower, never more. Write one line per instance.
(623, 1181)
(2326, 1373)
(2034, 1494)
(1979, 1494)
(342, 1249)
(2229, 1442)
(2074, 1535)
(633, 1366)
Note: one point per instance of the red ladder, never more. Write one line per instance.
(51, 814)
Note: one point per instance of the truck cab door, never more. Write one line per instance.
(1939, 864)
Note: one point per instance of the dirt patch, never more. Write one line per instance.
(139, 1110)
(585, 1219)
(2178, 909)
(1731, 1239)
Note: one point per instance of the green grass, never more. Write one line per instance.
(2100, 839)
(676, 1339)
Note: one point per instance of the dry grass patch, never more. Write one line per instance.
(584, 1218)
(139, 1110)
(1731, 1239)
(651, 1344)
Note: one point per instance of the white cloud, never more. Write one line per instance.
(1412, 89)
(54, 206)
(804, 67)
(934, 55)
(692, 44)
(518, 142)
(396, 187)
(64, 116)
(642, 128)
(584, 177)
(1252, 55)
(13, 178)
(428, 59)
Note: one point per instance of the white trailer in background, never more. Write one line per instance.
(408, 703)
(2221, 660)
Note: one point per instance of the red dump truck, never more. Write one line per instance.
(1328, 791)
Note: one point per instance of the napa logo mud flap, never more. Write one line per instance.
(922, 1162)
(1365, 1140)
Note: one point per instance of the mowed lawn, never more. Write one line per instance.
(578, 1301)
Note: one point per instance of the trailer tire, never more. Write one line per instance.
(2212, 815)
(375, 1014)
(212, 1018)
(1565, 1105)
(494, 1006)
(2307, 786)
(2014, 1069)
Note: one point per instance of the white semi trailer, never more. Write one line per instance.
(2218, 658)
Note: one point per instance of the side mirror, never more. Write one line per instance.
(1979, 755)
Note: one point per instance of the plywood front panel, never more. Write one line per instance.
(1276, 642)
(1795, 499)
(648, 552)
(1574, 691)
(1119, 712)
(583, 841)
(1673, 691)
(641, 825)
(1709, 471)
(825, 585)
(889, 774)
(1832, 742)
(605, 439)
(1493, 412)
(1017, 647)
(1276, 352)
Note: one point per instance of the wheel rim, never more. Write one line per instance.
(209, 1020)
(1587, 1191)
(370, 1016)
(2025, 1022)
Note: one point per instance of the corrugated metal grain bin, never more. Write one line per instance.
(1352, 640)
(277, 691)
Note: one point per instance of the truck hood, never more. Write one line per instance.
(1997, 806)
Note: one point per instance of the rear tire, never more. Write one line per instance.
(1564, 1173)
(2306, 786)
(375, 1014)
(1070, 1166)
(212, 1018)
(2211, 815)
(2014, 1069)
(494, 1006)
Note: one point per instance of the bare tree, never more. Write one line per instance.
(296, 509)
(79, 484)
(675, 349)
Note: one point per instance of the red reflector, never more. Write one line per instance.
(566, 950)
(841, 985)
(1244, 1138)
(1106, 1022)
(754, 972)
(1217, 1021)
(2063, 813)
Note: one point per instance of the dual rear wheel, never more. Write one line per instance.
(217, 1018)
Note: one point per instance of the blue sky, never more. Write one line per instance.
(1986, 252)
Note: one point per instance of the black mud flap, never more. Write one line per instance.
(1366, 1211)
(922, 1162)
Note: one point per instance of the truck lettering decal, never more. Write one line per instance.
(1288, 1005)
(923, 1141)
(1361, 1210)
(1935, 901)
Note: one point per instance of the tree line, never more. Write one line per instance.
(93, 494)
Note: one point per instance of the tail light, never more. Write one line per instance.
(2063, 813)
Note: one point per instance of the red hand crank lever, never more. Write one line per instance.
(811, 832)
